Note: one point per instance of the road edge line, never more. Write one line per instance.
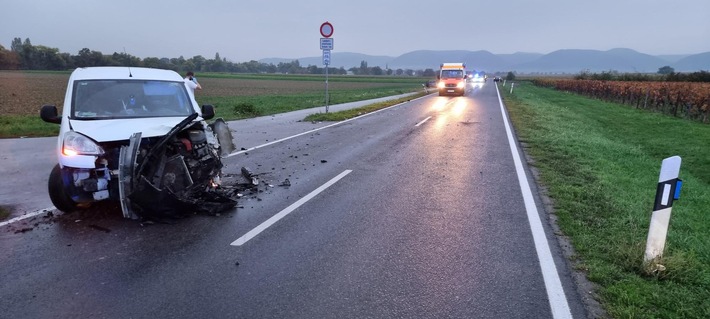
(26, 216)
(553, 285)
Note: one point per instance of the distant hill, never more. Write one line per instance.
(574, 61)
(475, 60)
(338, 59)
(693, 62)
(561, 61)
(520, 57)
(673, 58)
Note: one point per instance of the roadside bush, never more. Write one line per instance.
(245, 110)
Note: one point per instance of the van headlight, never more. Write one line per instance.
(440, 85)
(460, 85)
(78, 144)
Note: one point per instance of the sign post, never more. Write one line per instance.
(326, 44)
(667, 191)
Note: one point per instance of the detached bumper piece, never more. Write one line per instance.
(154, 202)
(174, 176)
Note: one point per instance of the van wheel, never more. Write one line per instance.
(57, 194)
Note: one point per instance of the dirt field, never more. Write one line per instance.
(23, 93)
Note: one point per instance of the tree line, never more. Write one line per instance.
(23, 55)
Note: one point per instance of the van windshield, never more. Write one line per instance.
(98, 99)
(451, 74)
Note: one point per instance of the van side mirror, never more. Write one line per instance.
(207, 111)
(438, 77)
(49, 114)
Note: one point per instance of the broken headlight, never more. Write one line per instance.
(78, 144)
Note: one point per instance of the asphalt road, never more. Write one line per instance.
(415, 211)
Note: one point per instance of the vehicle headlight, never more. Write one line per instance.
(440, 85)
(460, 85)
(77, 144)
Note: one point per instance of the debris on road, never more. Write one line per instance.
(248, 174)
(286, 183)
(97, 227)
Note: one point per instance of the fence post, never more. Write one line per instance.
(646, 99)
(512, 85)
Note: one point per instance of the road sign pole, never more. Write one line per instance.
(667, 191)
(326, 88)
(326, 44)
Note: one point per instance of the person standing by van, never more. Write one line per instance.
(192, 83)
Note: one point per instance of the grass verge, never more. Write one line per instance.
(26, 126)
(319, 77)
(600, 163)
(4, 213)
(240, 107)
(348, 114)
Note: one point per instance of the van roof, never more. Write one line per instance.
(453, 65)
(127, 73)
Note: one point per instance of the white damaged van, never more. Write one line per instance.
(137, 136)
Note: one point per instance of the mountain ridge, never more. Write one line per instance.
(560, 61)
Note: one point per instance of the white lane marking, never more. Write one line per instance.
(553, 285)
(318, 129)
(28, 215)
(263, 226)
(423, 121)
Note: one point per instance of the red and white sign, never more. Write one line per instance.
(326, 29)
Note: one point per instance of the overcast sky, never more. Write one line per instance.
(243, 30)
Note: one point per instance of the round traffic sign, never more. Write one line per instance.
(326, 29)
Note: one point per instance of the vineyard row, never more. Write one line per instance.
(684, 99)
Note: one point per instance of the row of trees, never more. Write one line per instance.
(23, 55)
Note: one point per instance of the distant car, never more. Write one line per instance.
(496, 79)
(477, 78)
(430, 84)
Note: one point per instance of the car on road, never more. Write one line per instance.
(137, 136)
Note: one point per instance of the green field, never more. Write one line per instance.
(600, 164)
(235, 96)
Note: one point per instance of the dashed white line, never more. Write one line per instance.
(423, 121)
(263, 226)
(553, 285)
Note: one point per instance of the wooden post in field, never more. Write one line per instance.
(667, 191)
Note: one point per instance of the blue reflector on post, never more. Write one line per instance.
(678, 185)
